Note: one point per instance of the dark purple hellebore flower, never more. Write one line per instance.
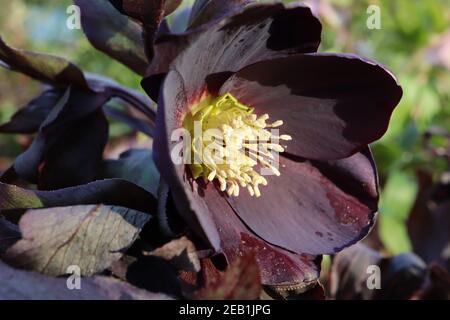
(332, 105)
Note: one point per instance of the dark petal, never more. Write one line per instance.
(278, 267)
(113, 33)
(76, 157)
(146, 11)
(172, 105)
(207, 212)
(46, 68)
(257, 33)
(29, 118)
(115, 192)
(332, 105)
(171, 5)
(206, 11)
(314, 208)
(313, 291)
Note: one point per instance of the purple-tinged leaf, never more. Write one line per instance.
(113, 33)
(359, 272)
(23, 285)
(90, 237)
(78, 152)
(46, 68)
(74, 109)
(429, 221)
(29, 119)
(133, 98)
(150, 14)
(9, 234)
(436, 286)
(127, 118)
(114, 192)
(348, 279)
(135, 165)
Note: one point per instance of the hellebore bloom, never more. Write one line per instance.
(234, 74)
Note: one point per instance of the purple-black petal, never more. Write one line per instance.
(277, 266)
(172, 106)
(314, 207)
(206, 11)
(224, 46)
(332, 104)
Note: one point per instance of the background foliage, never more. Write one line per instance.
(414, 42)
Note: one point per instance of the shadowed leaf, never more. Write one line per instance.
(353, 274)
(71, 140)
(151, 273)
(114, 192)
(134, 165)
(21, 285)
(9, 234)
(46, 68)
(29, 119)
(149, 13)
(91, 237)
(113, 33)
(181, 253)
(436, 286)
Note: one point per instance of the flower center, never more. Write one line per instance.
(230, 142)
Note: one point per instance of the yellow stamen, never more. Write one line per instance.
(241, 142)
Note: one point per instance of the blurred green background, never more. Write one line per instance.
(414, 42)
